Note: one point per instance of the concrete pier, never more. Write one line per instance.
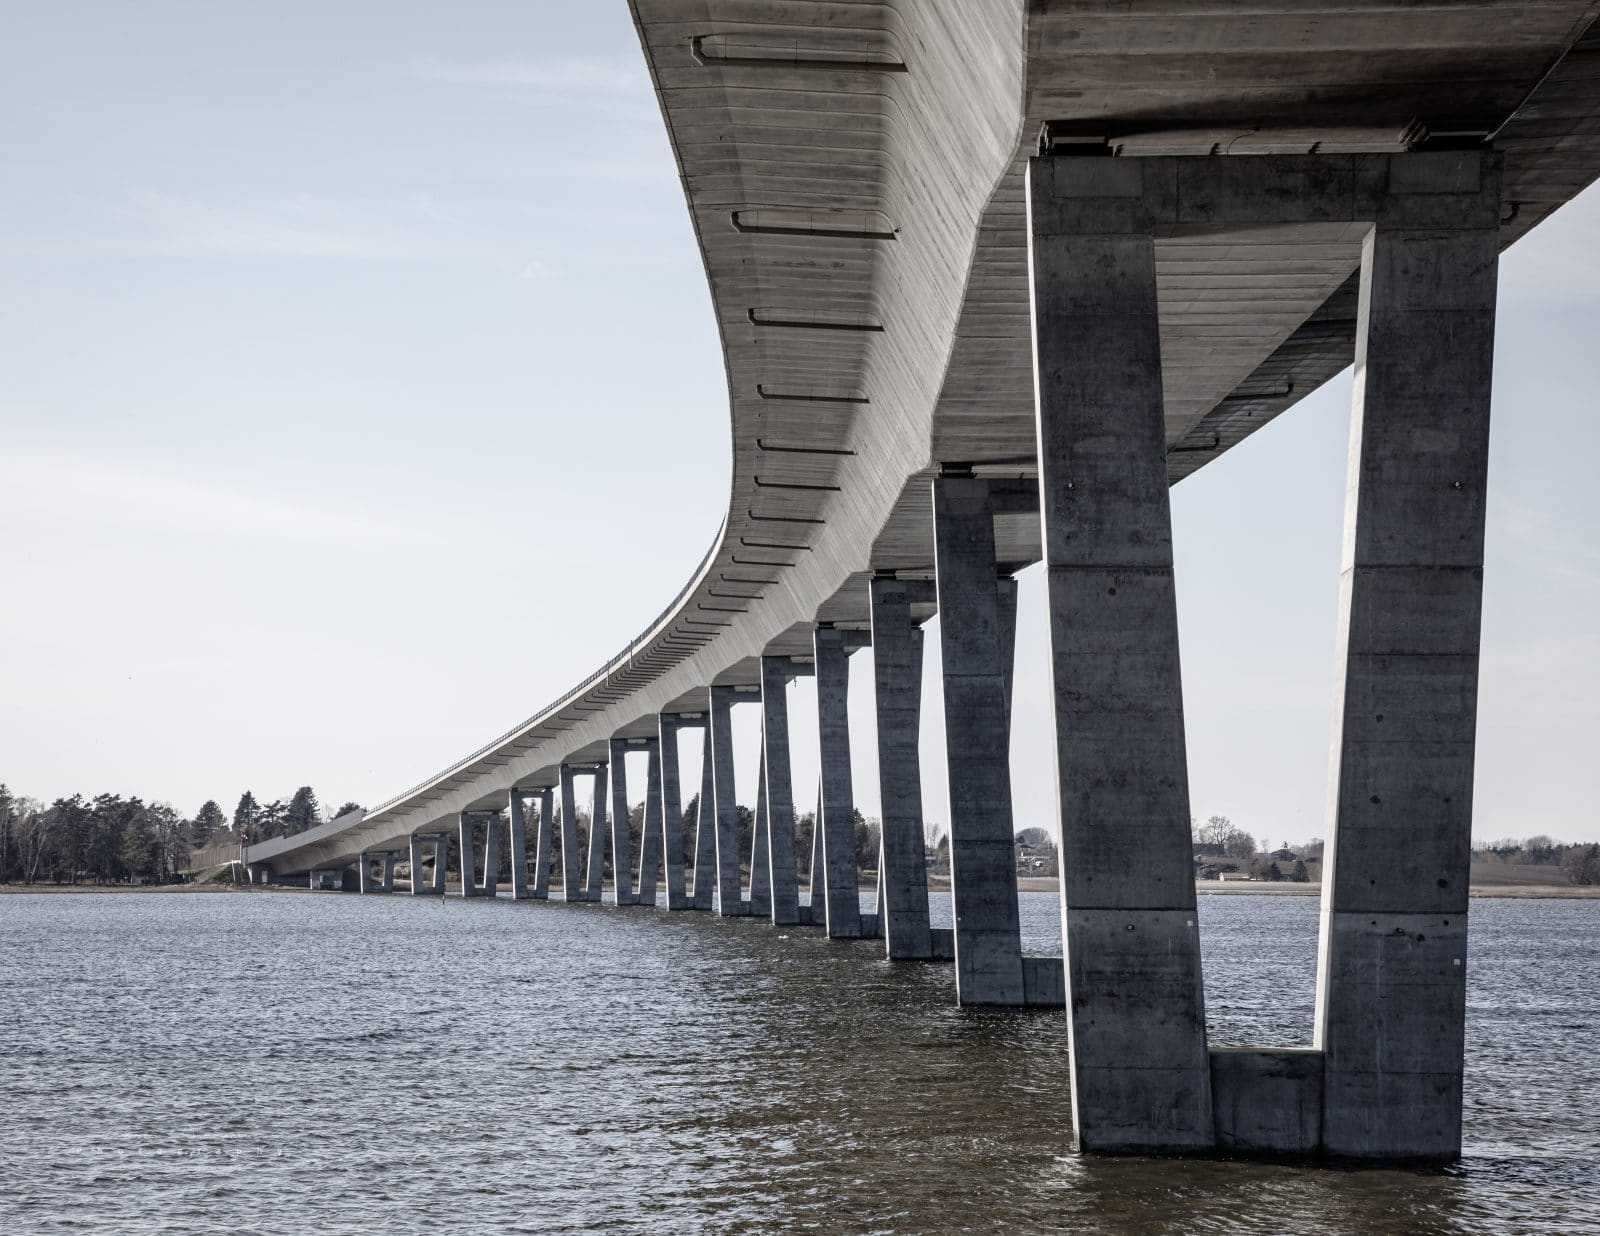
(759, 902)
(841, 889)
(572, 865)
(1391, 999)
(777, 786)
(621, 833)
(817, 879)
(379, 884)
(650, 843)
(1141, 1073)
(440, 843)
(414, 845)
(517, 830)
(471, 885)
(726, 810)
(973, 643)
(671, 815)
(595, 864)
(897, 681)
(544, 844)
(704, 894)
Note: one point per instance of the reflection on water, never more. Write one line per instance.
(290, 1063)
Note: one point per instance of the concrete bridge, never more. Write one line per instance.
(989, 279)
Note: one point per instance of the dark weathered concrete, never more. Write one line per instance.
(983, 873)
(595, 855)
(517, 828)
(572, 865)
(1392, 994)
(759, 901)
(1268, 1100)
(672, 814)
(650, 844)
(704, 894)
(544, 845)
(725, 808)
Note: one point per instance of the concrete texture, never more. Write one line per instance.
(897, 681)
(472, 884)
(836, 823)
(778, 788)
(572, 864)
(1267, 1100)
(704, 894)
(1392, 987)
(759, 901)
(620, 834)
(983, 874)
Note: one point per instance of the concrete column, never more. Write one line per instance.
(842, 893)
(729, 899)
(760, 900)
(470, 887)
(544, 843)
(621, 824)
(705, 833)
(1391, 995)
(778, 787)
(441, 860)
(571, 860)
(983, 873)
(516, 825)
(597, 838)
(817, 880)
(388, 872)
(365, 884)
(1140, 1067)
(417, 888)
(671, 816)
(897, 683)
(650, 843)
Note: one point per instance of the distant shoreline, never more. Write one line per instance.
(937, 884)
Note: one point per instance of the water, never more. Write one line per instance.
(293, 1063)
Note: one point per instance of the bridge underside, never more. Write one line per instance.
(1231, 201)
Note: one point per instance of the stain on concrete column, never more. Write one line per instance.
(671, 815)
(1141, 1072)
(1391, 1001)
(778, 786)
(841, 888)
(983, 873)
(621, 824)
(897, 690)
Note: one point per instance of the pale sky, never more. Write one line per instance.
(359, 393)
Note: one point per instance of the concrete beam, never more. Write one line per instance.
(1141, 1076)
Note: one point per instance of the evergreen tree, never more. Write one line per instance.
(207, 822)
(347, 809)
(270, 820)
(245, 818)
(303, 811)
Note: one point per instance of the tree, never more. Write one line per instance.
(1237, 843)
(302, 813)
(1582, 864)
(246, 817)
(269, 820)
(1301, 875)
(932, 831)
(691, 827)
(1214, 831)
(347, 808)
(867, 834)
(1034, 838)
(208, 821)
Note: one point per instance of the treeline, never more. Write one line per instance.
(109, 839)
(1580, 862)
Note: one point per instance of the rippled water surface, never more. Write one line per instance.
(286, 1062)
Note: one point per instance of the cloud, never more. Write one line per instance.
(52, 488)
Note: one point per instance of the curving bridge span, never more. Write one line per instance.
(990, 277)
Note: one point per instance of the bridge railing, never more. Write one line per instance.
(600, 675)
